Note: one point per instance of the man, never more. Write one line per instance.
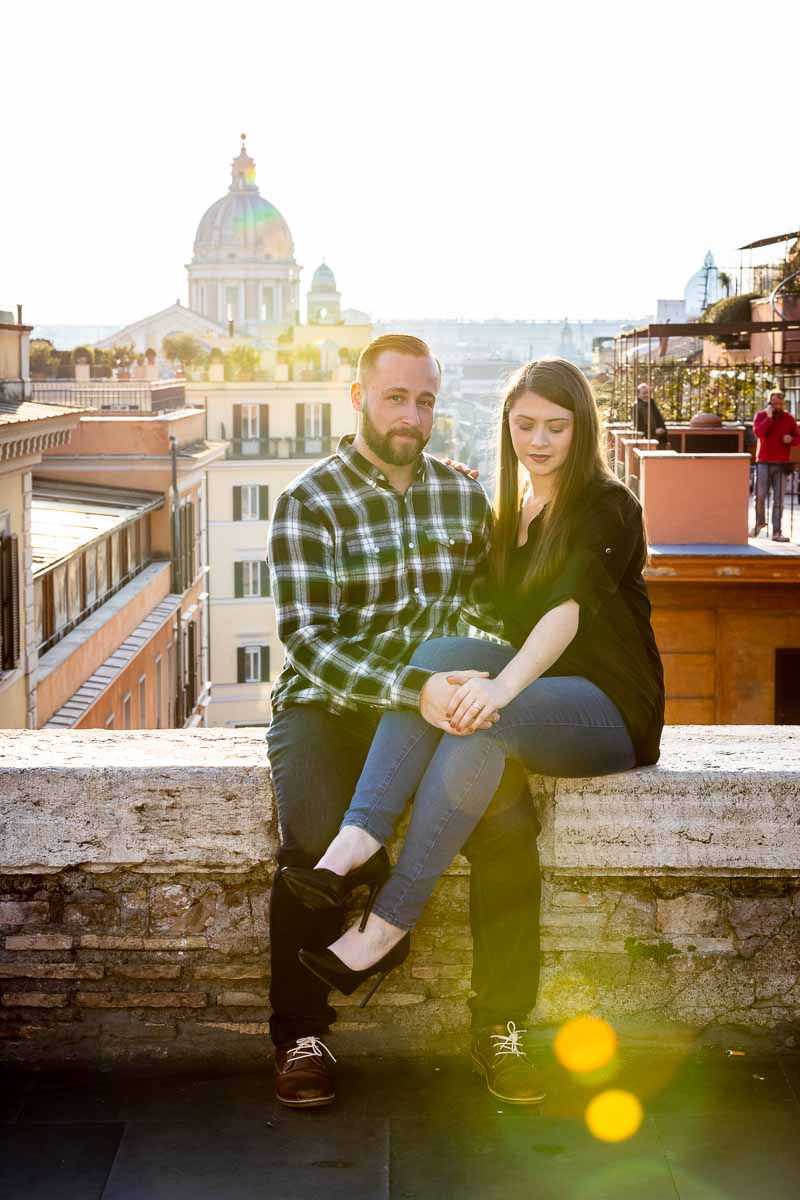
(372, 551)
(776, 430)
(648, 419)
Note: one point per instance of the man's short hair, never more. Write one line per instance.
(777, 392)
(401, 343)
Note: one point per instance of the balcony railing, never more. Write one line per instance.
(281, 447)
(140, 396)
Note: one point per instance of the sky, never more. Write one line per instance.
(447, 158)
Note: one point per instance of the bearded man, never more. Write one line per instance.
(372, 552)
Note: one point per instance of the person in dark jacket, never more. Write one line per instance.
(648, 418)
(776, 431)
(577, 690)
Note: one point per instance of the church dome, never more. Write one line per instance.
(703, 288)
(243, 224)
(323, 280)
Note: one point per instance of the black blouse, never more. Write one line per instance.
(615, 647)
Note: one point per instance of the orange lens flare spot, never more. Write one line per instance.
(614, 1116)
(585, 1044)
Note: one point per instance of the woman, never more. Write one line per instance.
(578, 692)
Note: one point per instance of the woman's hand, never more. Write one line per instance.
(437, 695)
(462, 467)
(476, 702)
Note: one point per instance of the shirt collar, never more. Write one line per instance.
(367, 470)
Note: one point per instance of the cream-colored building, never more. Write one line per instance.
(275, 431)
(27, 431)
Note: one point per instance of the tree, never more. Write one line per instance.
(182, 348)
(82, 354)
(122, 356)
(244, 360)
(42, 356)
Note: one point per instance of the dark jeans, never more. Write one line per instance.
(316, 759)
(770, 477)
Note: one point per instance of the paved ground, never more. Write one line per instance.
(716, 1128)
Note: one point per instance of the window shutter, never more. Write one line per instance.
(237, 503)
(263, 421)
(237, 421)
(265, 664)
(240, 665)
(9, 603)
(326, 420)
(263, 502)
(264, 580)
(238, 580)
(300, 424)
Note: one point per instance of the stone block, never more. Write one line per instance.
(39, 941)
(34, 999)
(692, 913)
(141, 1000)
(136, 971)
(249, 1028)
(93, 941)
(577, 900)
(24, 912)
(26, 970)
(632, 914)
(177, 909)
(228, 971)
(243, 999)
(757, 917)
(92, 909)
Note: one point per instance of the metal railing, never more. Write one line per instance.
(280, 447)
(108, 395)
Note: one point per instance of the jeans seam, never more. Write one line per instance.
(403, 895)
(379, 794)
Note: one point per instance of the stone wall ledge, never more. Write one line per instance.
(722, 800)
(135, 870)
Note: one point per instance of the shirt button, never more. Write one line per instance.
(416, 590)
(452, 541)
(608, 549)
(411, 545)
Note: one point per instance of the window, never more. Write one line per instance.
(231, 303)
(159, 693)
(266, 304)
(39, 618)
(172, 684)
(126, 711)
(252, 664)
(115, 561)
(250, 421)
(250, 578)
(313, 419)
(250, 502)
(74, 588)
(188, 548)
(102, 568)
(142, 702)
(110, 721)
(9, 602)
(90, 575)
(59, 585)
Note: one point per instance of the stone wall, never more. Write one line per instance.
(135, 872)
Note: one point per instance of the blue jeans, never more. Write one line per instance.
(558, 726)
(770, 477)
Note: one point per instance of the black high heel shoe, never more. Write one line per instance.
(328, 967)
(317, 887)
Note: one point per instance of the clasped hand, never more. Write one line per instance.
(461, 702)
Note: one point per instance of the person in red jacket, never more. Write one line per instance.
(776, 430)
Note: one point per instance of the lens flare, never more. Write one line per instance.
(585, 1044)
(614, 1116)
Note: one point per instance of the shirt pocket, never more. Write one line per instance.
(449, 548)
(369, 567)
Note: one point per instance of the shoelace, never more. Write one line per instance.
(307, 1047)
(511, 1042)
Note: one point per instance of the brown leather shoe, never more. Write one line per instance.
(302, 1076)
(499, 1055)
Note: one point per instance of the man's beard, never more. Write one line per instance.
(388, 447)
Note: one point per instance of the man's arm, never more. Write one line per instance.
(306, 593)
(762, 423)
(478, 609)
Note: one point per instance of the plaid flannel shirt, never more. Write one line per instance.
(362, 575)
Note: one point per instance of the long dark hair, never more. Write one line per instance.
(562, 383)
